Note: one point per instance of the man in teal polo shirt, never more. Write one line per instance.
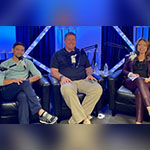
(16, 83)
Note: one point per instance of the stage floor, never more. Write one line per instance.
(109, 119)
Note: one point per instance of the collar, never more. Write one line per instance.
(72, 52)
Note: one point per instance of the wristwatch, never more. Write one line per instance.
(61, 77)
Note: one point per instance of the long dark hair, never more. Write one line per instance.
(147, 54)
(134, 56)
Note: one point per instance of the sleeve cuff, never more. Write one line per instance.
(1, 83)
(129, 74)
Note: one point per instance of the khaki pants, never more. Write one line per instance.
(80, 111)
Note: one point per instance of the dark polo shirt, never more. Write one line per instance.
(62, 60)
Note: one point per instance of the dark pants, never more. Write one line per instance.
(142, 95)
(26, 97)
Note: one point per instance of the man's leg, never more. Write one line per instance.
(69, 93)
(93, 93)
(13, 91)
(23, 108)
(9, 92)
(34, 104)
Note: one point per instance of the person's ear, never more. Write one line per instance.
(12, 50)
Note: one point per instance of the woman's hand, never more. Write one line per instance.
(147, 80)
(133, 75)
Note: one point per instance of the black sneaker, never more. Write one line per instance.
(46, 118)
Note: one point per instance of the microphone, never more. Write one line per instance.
(94, 55)
(89, 47)
(116, 45)
(3, 68)
(7, 68)
(22, 62)
(96, 46)
(12, 66)
(137, 52)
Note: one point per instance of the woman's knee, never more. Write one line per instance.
(140, 80)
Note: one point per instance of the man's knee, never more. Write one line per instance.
(67, 89)
(21, 97)
(99, 90)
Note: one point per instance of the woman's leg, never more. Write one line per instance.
(145, 93)
(142, 96)
(148, 107)
(139, 107)
(131, 85)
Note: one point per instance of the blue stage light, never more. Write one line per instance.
(32, 46)
(124, 37)
(39, 64)
(37, 40)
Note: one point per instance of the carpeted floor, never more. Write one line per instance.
(109, 119)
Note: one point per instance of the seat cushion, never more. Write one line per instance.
(9, 108)
(124, 90)
(124, 95)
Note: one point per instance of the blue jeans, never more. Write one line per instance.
(26, 97)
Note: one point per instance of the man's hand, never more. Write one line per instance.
(65, 80)
(19, 80)
(147, 80)
(90, 77)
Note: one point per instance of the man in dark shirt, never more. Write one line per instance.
(72, 68)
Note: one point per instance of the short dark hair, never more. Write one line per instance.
(70, 33)
(18, 43)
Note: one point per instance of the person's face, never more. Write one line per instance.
(18, 50)
(142, 47)
(70, 42)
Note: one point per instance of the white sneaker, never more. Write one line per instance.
(100, 116)
(46, 118)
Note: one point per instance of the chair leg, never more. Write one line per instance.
(113, 113)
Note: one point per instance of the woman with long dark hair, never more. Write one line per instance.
(137, 72)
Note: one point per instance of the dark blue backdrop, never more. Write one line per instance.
(111, 54)
(46, 47)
